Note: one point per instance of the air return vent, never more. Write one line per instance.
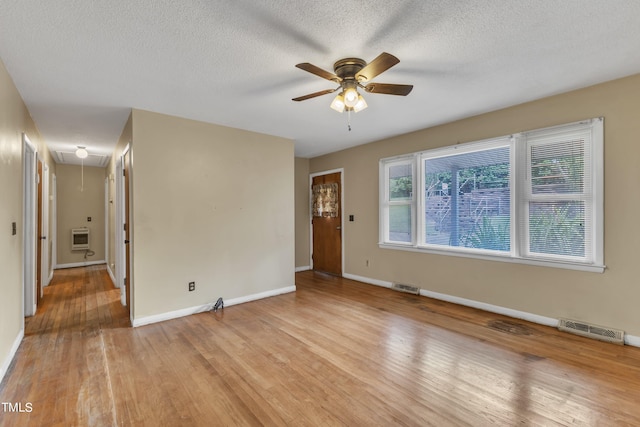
(406, 288)
(591, 331)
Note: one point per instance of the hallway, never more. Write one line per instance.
(61, 367)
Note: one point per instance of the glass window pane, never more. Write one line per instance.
(558, 168)
(400, 223)
(468, 200)
(400, 182)
(557, 228)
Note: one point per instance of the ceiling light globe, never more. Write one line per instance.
(350, 97)
(360, 105)
(338, 103)
(82, 153)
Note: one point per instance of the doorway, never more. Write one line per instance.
(326, 221)
(29, 226)
(40, 237)
(126, 160)
(45, 240)
(122, 235)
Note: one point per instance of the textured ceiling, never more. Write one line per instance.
(80, 65)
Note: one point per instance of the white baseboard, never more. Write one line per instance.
(530, 317)
(367, 280)
(113, 277)
(206, 307)
(261, 295)
(632, 340)
(12, 353)
(79, 264)
(303, 268)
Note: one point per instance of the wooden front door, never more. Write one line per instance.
(40, 238)
(326, 222)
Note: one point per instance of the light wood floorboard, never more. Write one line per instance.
(335, 352)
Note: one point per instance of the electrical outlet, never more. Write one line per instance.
(192, 286)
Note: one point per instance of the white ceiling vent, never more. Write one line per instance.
(591, 331)
(70, 158)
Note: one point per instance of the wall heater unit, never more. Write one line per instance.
(79, 239)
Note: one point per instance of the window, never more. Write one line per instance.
(534, 197)
(399, 201)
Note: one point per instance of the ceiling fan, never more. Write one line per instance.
(351, 73)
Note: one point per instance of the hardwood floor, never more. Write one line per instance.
(336, 352)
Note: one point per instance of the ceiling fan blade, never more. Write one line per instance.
(318, 71)
(382, 63)
(313, 95)
(388, 89)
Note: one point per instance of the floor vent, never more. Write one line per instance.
(406, 288)
(591, 331)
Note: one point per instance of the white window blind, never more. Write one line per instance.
(558, 201)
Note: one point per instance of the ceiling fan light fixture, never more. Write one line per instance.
(351, 97)
(82, 153)
(360, 105)
(338, 103)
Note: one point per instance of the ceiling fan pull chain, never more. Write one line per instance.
(349, 119)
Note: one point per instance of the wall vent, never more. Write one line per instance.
(406, 288)
(591, 331)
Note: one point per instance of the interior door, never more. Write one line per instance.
(41, 238)
(326, 222)
(127, 234)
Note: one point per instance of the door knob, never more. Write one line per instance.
(338, 228)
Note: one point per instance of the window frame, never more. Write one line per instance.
(519, 233)
(386, 202)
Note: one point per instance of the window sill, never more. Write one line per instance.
(488, 257)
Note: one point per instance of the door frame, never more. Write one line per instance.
(39, 231)
(106, 225)
(54, 224)
(124, 266)
(342, 216)
(118, 232)
(46, 271)
(29, 189)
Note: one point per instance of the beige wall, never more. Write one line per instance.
(302, 212)
(75, 203)
(14, 120)
(609, 299)
(211, 204)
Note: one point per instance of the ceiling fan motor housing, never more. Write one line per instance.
(347, 68)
